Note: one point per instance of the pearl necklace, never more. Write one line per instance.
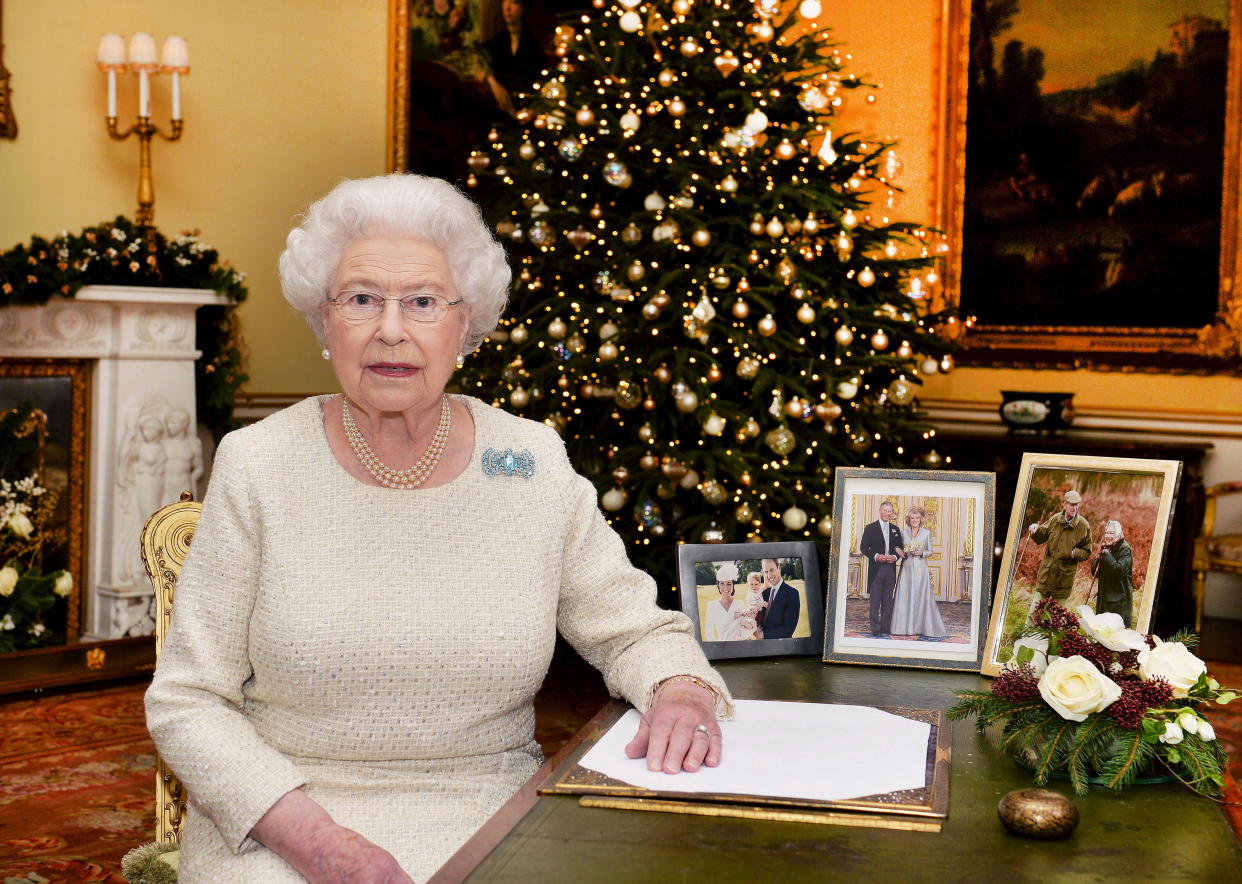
(385, 475)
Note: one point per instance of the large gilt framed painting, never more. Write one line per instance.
(1096, 153)
(456, 67)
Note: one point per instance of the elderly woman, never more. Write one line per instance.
(333, 714)
(1114, 569)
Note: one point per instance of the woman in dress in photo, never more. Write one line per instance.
(721, 612)
(915, 612)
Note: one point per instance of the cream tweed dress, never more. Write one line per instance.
(381, 648)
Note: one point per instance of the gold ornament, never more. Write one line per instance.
(689, 480)
(786, 270)
(576, 343)
(631, 234)
(519, 397)
(579, 237)
(743, 285)
(649, 461)
(681, 7)
(825, 526)
(677, 107)
(901, 391)
(713, 533)
(781, 440)
(689, 47)
(672, 467)
(646, 433)
(866, 277)
(526, 150)
(847, 389)
(743, 513)
(726, 62)
(597, 211)
(635, 271)
(621, 475)
(687, 401)
(666, 77)
(557, 328)
(767, 326)
(608, 351)
(663, 374)
(627, 394)
(747, 368)
(740, 309)
(714, 493)
(651, 310)
(774, 228)
(784, 150)
(649, 404)
(879, 340)
(585, 116)
(844, 336)
(806, 314)
(756, 225)
(714, 424)
(793, 407)
(794, 518)
(608, 330)
(519, 334)
(714, 374)
(946, 364)
(562, 382)
(859, 442)
(701, 237)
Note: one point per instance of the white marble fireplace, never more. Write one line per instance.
(143, 447)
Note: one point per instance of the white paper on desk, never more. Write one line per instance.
(820, 751)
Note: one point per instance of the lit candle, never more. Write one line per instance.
(175, 59)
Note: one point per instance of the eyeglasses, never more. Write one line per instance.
(365, 306)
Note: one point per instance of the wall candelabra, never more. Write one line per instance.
(141, 60)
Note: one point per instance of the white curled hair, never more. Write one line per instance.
(1115, 526)
(397, 205)
(727, 571)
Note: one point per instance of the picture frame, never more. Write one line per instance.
(60, 389)
(728, 633)
(1078, 217)
(450, 77)
(1137, 493)
(935, 592)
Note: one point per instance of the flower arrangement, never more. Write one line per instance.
(1087, 697)
(28, 597)
(120, 252)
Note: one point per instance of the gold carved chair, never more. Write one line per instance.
(1214, 552)
(165, 540)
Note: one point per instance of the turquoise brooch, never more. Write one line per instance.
(509, 463)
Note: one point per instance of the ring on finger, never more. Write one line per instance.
(702, 729)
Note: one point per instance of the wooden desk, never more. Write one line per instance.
(1150, 833)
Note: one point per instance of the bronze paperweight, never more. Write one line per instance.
(1038, 813)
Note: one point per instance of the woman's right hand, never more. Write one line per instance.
(298, 830)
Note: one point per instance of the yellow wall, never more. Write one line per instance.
(284, 98)
(287, 96)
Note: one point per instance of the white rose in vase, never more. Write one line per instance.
(63, 585)
(21, 525)
(1075, 688)
(8, 581)
(1039, 653)
(1172, 662)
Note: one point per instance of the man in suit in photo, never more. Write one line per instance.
(881, 547)
(780, 618)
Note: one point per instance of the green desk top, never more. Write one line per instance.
(1149, 833)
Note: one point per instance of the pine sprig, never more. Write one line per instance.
(1091, 741)
(1130, 755)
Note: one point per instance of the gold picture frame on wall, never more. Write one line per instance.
(1093, 239)
(8, 123)
(59, 390)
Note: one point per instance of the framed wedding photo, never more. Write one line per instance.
(910, 569)
(752, 599)
(1084, 531)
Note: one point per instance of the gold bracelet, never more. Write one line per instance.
(693, 679)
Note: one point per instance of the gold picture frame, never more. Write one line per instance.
(1214, 346)
(8, 123)
(1136, 492)
(60, 388)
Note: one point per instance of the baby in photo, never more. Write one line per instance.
(746, 621)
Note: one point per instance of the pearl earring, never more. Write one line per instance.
(461, 361)
(325, 353)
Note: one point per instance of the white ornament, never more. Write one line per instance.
(729, 184)
(630, 121)
(847, 389)
(826, 154)
(631, 21)
(653, 202)
(810, 8)
(756, 122)
(714, 425)
(866, 277)
(614, 499)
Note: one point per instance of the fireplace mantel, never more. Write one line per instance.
(143, 447)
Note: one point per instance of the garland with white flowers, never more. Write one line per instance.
(1086, 697)
(120, 252)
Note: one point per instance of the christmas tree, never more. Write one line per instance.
(712, 304)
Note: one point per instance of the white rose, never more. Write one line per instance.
(1207, 733)
(8, 581)
(20, 525)
(1172, 662)
(7, 623)
(1189, 722)
(1039, 656)
(1075, 688)
(1172, 734)
(1109, 630)
(64, 584)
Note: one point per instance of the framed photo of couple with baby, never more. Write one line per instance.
(753, 599)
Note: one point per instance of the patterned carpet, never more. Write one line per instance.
(77, 770)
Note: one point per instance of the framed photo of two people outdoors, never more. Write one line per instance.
(752, 599)
(910, 570)
(1084, 531)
